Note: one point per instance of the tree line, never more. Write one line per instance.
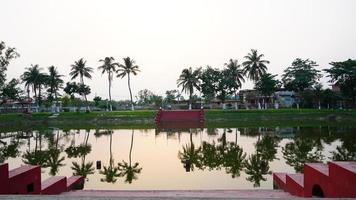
(301, 76)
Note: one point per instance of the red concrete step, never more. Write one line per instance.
(295, 184)
(343, 177)
(279, 181)
(316, 177)
(54, 185)
(179, 116)
(75, 183)
(4, 178)
(25, 180)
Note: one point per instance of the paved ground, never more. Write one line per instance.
(165, 194)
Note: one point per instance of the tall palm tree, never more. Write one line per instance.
(125, 70)
(128, 170)
(255, 66)
(34, 78)
(55, 82)
(189, 80)
(109, 67)
(237, 74)
(83, 169)
(80, 70)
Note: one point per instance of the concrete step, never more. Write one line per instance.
(54, 185)
(295, 184)
(342, 175)
(279, 181)
(25, 180)
(320, 167)
(75, 183)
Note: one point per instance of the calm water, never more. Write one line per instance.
(223, 158)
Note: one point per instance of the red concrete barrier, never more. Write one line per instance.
(54, 185)
(4, 178)
(336, 179)
(25, 180)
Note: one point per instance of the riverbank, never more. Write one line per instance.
(213, 118)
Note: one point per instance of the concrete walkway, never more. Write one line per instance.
(162, 194)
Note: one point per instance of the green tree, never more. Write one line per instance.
(209, 78)
(343, 74)
(190, 156)
(108, 66)
(129, 67)
(254, 66)
(128, 170)
(11, 90)
(144, 97)
(97, 100)
(54, 82)
(256, 168)
(189, 80)
(171, 95)
(79, 69)
(266, 85)
(301, 75)
(35, 78)
(6, 55)
(111, 172)
(236, 75)
(226, 85)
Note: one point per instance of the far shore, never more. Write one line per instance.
(144, 119)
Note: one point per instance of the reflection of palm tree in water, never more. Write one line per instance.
(190, 155)
(83, 169)
(128, 170)
(9, 151)
(54, 161)
(257, 165)
(234, 158)
(36, 157)
(110, 172)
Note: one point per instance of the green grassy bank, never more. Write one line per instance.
(214, 118)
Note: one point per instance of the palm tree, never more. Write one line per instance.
(128, 170)
(125, 70)
(80, 70)
(237, 74)
(54, 82)
(54, 160)
(189, 80)
(255, 66)
(34, 78)
(109, 67)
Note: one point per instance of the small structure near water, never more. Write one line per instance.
(332, 180)
(171, 116)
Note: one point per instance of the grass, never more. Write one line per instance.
(214, 118)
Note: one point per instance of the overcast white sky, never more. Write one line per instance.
(165, 36)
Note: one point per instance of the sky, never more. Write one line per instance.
(166, 36)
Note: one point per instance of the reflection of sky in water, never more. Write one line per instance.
(157, 155)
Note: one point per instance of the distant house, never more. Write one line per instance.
(24, 105)
(285, 99)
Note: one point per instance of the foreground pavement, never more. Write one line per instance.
(160, 194)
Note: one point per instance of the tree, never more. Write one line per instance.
(209, 78)
(236, 75)
(11, 90)
(80, 70)
(189, 80)
(34, 78)
(226, 85)
(171, 95)
(54, 82)
(255, 66)
(301, 75)
(126, 69)
(109, 67)
(97, 100)
(266, 85)
(6, 55)
(343, 74)
(144, 97)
